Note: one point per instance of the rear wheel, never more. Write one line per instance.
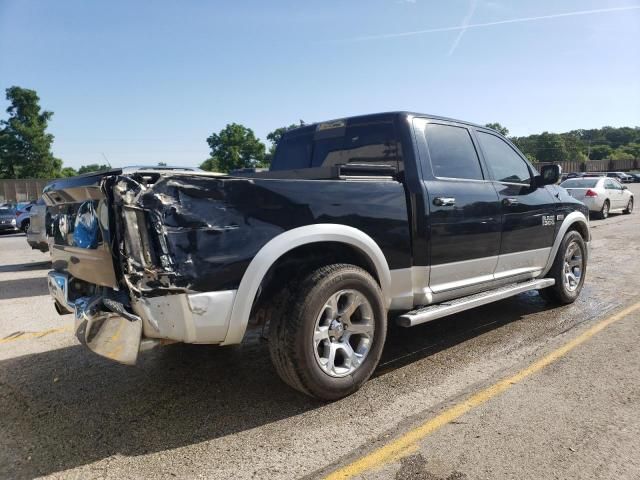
(327, 335)
(568, 270)
(629, 208)
(604, 212)
(24, 226)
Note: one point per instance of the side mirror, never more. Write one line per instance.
(624, 187)
(549, 175)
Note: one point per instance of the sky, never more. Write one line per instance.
(142, 82)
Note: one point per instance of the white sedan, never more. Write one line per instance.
(601, 194)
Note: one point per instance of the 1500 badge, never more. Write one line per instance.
(548, 220)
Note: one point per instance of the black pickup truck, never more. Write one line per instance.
(360, 221)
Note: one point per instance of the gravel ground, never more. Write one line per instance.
(221, 412)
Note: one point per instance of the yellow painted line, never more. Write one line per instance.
(29, 335)
(410, 439)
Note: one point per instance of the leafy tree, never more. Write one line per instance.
(210, 164)
(93, 167)
(620, 155)
(599, 152)
(236, 146)
(25, 146)
(498, 128)
(632, 149)
(68, 172)
(162, 164)
(550, 147)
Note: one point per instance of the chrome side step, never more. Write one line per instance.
(433, 312)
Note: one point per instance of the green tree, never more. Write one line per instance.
(25, 145)
(619, 154)
(236, 146)
(162, 164)
(550, 147)
(498, 128)
(632, 149)
(93, 167)
(599, 152)
(68, 172)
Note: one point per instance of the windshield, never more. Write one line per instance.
(7, 211)
(580, 183)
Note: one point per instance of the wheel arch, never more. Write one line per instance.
(574, 221)
(278, 247)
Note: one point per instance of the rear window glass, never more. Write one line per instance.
(367, 143)
(580, 183)
(360, 143)
(294, 150)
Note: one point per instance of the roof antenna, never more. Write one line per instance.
(106, 159)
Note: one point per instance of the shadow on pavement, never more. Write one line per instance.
(65, 408)
(24, 267)
(23, 287)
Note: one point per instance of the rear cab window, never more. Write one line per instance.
(336, 143)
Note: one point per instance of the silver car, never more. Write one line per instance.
(602, 195)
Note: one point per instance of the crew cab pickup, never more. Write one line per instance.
(392, 217)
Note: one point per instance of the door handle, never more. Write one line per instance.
(510, 202)
(444, 201)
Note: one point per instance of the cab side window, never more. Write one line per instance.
(503, 162)
(452, 152)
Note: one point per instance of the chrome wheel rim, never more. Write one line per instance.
(573, 266)
(605, 210)
(343, 333)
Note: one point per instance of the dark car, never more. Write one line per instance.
(620, 176)
(635, 176)
(8, 220)
(400, 216)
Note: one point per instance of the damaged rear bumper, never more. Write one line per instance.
(120, 335)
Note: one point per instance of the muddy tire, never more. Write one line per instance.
(568, 270)
(327, 331)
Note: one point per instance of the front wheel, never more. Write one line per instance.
(568, 270)
(629, 208)
(327, 336)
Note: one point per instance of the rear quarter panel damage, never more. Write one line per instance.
(203, 232)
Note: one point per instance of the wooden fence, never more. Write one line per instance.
(21, 190)
(596, 165)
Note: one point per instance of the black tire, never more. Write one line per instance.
(604, 211)
(561, 293)
(293, 321)
(629, 208)
(24, 226)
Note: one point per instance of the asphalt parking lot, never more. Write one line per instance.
(464, 397)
